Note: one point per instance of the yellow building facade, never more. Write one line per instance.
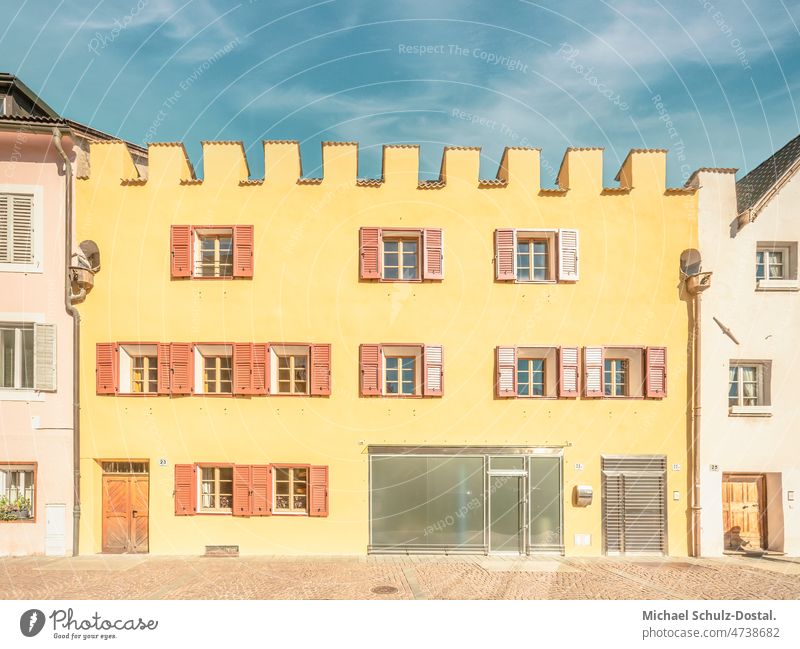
(473, 406)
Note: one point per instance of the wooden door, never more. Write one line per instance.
(744, 512)
(125, 513)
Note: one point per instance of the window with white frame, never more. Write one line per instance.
(138, 369)
(537, 374)
(776, 265)
(289, 369)
(624, 372)
(216, 489)
(17, 492)
(20, 228)
(401, 257)
(213, 366)
(16, 356)
(291, 490)
(213, 253)
(535, 256)
(748, 384)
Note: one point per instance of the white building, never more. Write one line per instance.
(750, 328)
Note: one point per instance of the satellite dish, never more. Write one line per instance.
(690, 262)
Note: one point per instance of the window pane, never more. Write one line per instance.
(390, 246)
(7, 337)
(523, 390)
(392, 362)
(390, 273)
(390, 259)
(545, 501)
(27, 358)
(408, 363)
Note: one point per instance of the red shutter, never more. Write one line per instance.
(504, 254)
(260, 368)
(182, 362)
(568, 255)
(318, 491)
(370, 370)
(242, 501)
(506, 361)
(243, 368)
(593, 371)
(106, 370)
(163, 368)
(181, 250)
(656, 364)
(321, 369)
(433, 371)
(568, 372)
(185, 490)
(243, 243)
(370, 253)
(433, 253)
(261, 484)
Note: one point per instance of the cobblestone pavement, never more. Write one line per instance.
(396, 577)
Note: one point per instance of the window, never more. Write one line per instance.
(400, 375)
(401, 259)
(776, 266)
(533, 263)
(402, 254)
(749, 387)
(17, 492)
(138, 368)
(292, 374)
(291, 490)
(217, 375)
(144, 374)
(214, 253)
(20, 228)
(530, 377)
(546, 255)
(16, 356)
(771, 263)
(216, 489)
(533, 372)
(615, 379)
(121, 466)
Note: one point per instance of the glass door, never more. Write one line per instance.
(506, 513)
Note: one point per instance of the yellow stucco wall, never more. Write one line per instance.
(306, 288)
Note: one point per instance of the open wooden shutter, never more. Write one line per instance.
(568, 372)
(44, 357)
(593, 371)
(164, 374)
(181, 250)
(433, 371)
(370, 244)
(505, 242)
(243, 243)
(106, 369)
(261, 486)
(370, 370)
(242, 492)
(260, 368)
(656, 368)
(321, 370)
(318, 491)
(185, 489)
(243, 368)
(506, 361)
(433, 253)
(568, 255)
(181, 368)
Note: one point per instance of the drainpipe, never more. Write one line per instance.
(76, 329)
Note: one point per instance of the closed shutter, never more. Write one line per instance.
(505, 242)
(243, 243)
(321, 369)
(185, 490)
(181, 250)
(182, 368)
(568, 372)
(370, 370)
(44, 357)
(164, 373)
(242, 501)
(261, 486)
(568, 255)
(106, 374)
(369, 253)
(16, 228)
(318, 491)
(243, 368)
(593, 371)
(656, 364)
(506, 361)
(433, 253)
(433, 371)
(634, 504)
(260, 368)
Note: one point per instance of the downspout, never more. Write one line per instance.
(76, 330)
(696, 508)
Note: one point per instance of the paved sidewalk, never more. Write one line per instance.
(396, 577)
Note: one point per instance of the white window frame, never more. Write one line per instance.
(292, 468)
(275, 351)
(6, 468)
(217, 511)
(763, 408)
(392, 351)
(210, 231)
(37, 240)
(789, 281)
(550, 236)
(126, 354)
(201, 350)
(19, 356)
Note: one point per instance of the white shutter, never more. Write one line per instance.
(433, 369)
(6, 254)
(16, 228)
(593, 371)
(506, 368)
(44, 357)
(568, 255)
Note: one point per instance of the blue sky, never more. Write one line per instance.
(508, 72)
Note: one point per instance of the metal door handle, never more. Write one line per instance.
(133, 513)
